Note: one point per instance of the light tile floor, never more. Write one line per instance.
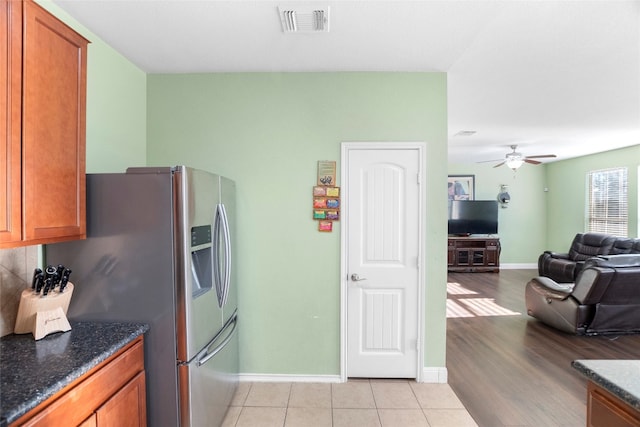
(356, 403)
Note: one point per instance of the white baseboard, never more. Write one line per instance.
(519, 266)
(285, 378)
(436, 375)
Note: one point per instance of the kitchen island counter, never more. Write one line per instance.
(33, 371)
(619, 377)
(613, 392)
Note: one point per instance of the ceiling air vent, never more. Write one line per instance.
(465, 133)
(305, 19)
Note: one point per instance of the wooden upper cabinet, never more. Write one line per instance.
(10, 123)
(49, 168)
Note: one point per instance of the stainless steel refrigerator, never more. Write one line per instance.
(160, 250)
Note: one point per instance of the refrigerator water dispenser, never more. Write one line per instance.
(201, 260)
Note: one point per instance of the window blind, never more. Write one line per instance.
(607, 208)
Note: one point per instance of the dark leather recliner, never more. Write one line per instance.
(625, 245)
(604, 299)
(564, 267)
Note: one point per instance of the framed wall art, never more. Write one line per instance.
(326, 196)
(326, 172)
(461, 187)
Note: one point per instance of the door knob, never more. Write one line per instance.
(356, 278)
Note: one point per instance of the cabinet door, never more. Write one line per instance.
(89, 422)
(492, 252)
(10, 123)
(53, 128)
(463, 257)
(606, 410)
(126, 408)
(478, 256)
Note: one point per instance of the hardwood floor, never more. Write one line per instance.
(510, 369)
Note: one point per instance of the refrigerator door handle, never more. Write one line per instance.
(222, 238)
(207, 355)
(227, 255)
(217, 255)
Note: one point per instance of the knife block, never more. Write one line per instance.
(43, 315)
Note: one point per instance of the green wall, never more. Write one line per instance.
(547, 206)
(267, 131)
(522, 224)
(116, 104)
(567, 182)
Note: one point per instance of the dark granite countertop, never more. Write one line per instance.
(32, 371)
(619, 377)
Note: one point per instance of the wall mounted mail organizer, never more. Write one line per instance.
(326, 196)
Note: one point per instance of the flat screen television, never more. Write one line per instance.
(473, 217)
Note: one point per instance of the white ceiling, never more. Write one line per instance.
(559, 77)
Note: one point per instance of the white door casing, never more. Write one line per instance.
(381, 253)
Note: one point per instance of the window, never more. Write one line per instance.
(607, 210)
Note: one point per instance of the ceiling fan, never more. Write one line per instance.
(514, 159)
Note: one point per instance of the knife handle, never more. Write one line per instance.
(36, 272)
(59, 272)
(39, 282)
(65, 279)
(48, 282)
(50, 273)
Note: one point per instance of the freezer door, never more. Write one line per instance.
(199, 316)
(208, 383)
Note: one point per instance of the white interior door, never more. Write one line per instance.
(382, 280)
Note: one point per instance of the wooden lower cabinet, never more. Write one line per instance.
(471, 254)
(606, 410)
(90, 422)
(126, 408)
(112, 394)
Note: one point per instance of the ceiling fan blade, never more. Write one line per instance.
(533, 162)
(541, 156)
(490, 161)
(499, 164)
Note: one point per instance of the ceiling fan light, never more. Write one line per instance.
(514, 163)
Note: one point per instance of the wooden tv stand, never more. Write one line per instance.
(473, 254)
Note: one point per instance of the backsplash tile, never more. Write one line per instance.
(16, 268)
